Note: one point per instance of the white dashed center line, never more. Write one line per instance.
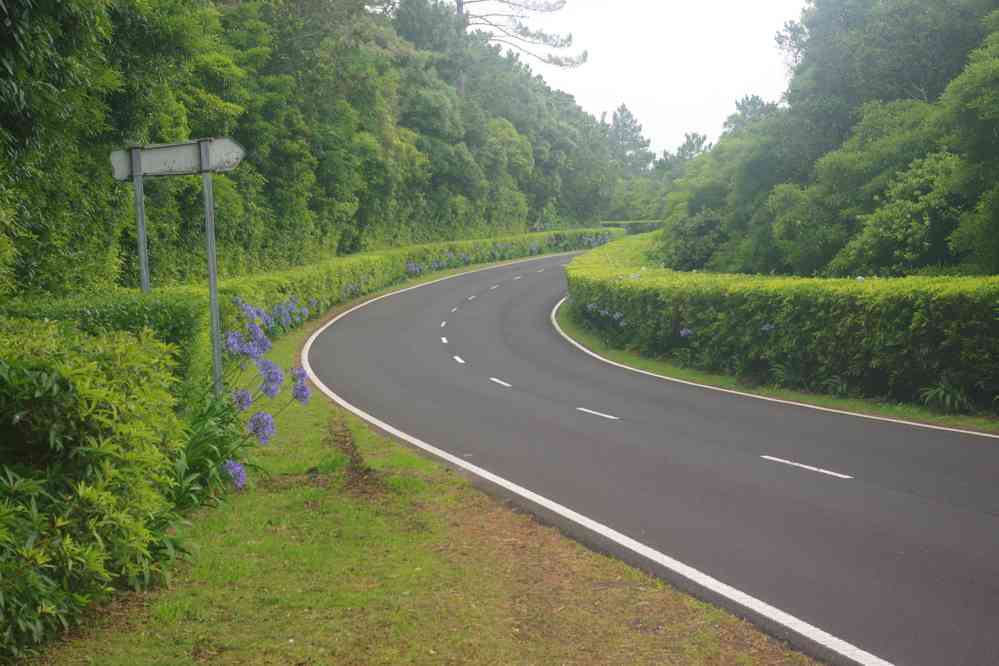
(500, 382)
(443, 324)
(518, 277)
(444, 340)
(495, 286)
(808, 467)
(471, 298)
(600, 414)
(541, 270)
(453, 310)
(459, 360)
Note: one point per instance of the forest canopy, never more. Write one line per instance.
(357, 136)
(881, 158)
(374, 124)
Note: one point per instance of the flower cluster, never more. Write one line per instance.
(252, 344)
(236, 472)
(413, 269)
(242, 399)
(350, 290)
(616, 317)
(261, 425)
(271, 378)
(686, 333)
(300, 389)
(768, 328)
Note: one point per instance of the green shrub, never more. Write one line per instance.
(177, 316)
(87, 435)
(898, 338)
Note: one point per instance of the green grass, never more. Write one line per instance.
(412, 566)
(909, 412)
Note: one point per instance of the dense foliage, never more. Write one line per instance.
(356, 135)
(881, 159)
(179, 315)
(87, 439)
(918, 338)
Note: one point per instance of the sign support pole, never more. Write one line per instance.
(140, 214)
(213, 295)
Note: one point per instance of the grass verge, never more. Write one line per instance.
(404, 563)
(908, 412)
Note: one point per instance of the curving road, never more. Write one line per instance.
(884, 535)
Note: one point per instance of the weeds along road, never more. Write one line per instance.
(880, 541)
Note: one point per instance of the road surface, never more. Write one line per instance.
(884, 535)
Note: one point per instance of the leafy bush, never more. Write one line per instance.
(87, 435)
(178, 317)
(929, 338)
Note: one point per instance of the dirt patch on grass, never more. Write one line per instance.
(567, 604)
(282, 482)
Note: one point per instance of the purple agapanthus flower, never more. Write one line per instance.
(271, 377)
(298, 374)
(261, 425)
(686, 333)
(234, 342)
(242, 399)
(301, 392)
(236, 472)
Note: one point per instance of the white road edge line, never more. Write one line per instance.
(500, 382)
(601, 414)
(459, 360)
(699, 578)
(444, 340)
(817, 408)
(808, 467)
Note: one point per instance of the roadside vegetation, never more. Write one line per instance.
(109, 433)
(927, 341)
(346, 547)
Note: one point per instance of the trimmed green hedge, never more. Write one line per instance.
(635, 227)
(926, 339)
(88, 436)
(179, 315)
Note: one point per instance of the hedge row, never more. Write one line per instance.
(88, 436)
(632, 228)
(179, 315)
(926, 339)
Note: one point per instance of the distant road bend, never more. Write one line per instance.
(882, 537)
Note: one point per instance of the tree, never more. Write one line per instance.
(748, 110)
(505, 23)
(629, 147)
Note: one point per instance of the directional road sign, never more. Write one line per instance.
(177, 159)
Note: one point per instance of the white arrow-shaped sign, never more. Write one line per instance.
(178, 159)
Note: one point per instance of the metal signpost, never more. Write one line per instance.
(204, 156)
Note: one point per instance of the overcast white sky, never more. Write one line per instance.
(679, 65)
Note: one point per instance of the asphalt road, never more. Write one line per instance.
(901, 559)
